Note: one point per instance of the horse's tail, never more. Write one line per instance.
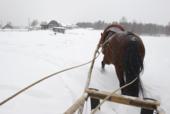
(133, 66)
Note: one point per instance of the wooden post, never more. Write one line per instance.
(124, 99)
(81, 100)
(77, 104)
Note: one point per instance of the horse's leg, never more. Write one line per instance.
(120, 75)
(103, 62)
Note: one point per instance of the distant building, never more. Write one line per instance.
(44, 26)
(59, 29)
(53, 24)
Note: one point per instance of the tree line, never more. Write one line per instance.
(139, 28)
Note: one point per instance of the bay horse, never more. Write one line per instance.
(126, 51)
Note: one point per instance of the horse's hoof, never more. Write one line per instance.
(123, 92)
(103, 65)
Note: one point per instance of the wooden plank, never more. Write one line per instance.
(133, 101)
(77, 104)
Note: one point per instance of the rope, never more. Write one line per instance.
(106, 98)
(92, 65)
(93, 60)
(44, 78)
(90, 73)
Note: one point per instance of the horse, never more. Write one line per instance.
(125, 50)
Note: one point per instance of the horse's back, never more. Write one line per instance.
(120, 43)
(118, 39)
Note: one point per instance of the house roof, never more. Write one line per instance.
(53, 22)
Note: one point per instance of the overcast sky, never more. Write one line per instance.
(71, 11)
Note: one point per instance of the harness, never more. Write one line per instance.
(113, 31)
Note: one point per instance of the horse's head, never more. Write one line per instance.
(114, 28)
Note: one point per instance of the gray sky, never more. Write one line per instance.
(72, 11)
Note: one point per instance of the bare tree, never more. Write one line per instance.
(123, 20)
(139, 28)
(34, 23)
(8, 26)
(167, 29)
(43, 23)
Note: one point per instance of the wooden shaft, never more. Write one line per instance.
(77, 104)
(124, 99)
(91, 67)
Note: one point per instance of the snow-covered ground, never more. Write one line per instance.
(28, 56)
